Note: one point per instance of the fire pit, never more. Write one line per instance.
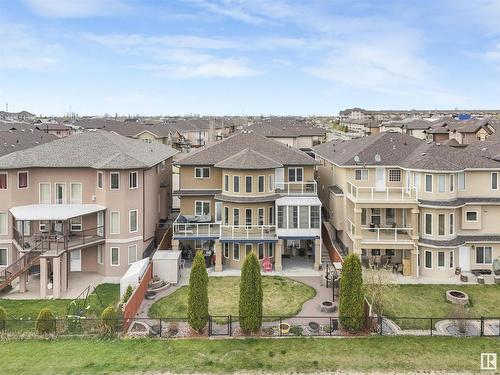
(327, 306)
(150, 295)
(457, 297)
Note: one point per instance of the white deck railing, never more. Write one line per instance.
(386, 234)
(297, 188)
(382, 193)
(248, 232)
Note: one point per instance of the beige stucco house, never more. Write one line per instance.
(249, 193)
(85, 203)
(422, 207)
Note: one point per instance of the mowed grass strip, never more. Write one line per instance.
(396, 354)
(282, 297)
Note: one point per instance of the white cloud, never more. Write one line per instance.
(22, 48)
(75, 8)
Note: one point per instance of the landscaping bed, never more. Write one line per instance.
(282, 297)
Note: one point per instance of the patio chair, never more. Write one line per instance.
(267, 265)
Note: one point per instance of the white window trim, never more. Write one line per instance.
(224, 179)
(425, 223)
(296, 169)
(444, 225)
(263, 251)
(110, 177)
(65, 200)
(491, 180)
(111, 222)
(271, 183)
(130, 221)
(444, 179)
(263, 215)
(201, 174)
(128, 253)
(458, 181)
(6, 180)
(425, 183)
(452, 227)
(451, 255)
(239, 216)
(27, 180)
(396, 171)
(251, 185)
(239, 252)
(224, 246)
(263, 184)
(6, 256)
(362, 172)
(40, 191)
(444, 260)
(471, 221)
(71, 192)
(484, 254)
(111, 256)
(425, 260)
(202, 202)
(452, 183)
(6, 223)
(239, 184)
(100, 260)
(136, 180)
(99, 173)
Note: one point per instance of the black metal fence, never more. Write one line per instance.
(272, 326)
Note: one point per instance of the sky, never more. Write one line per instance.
(235, 57)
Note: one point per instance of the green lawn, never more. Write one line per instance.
(430, 301)
(108, 293)
(282, 297)
(394, 354)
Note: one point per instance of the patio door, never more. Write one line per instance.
(75, 264)
(380, 179)
(464, 258)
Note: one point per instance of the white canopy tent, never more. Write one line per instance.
(54, 211)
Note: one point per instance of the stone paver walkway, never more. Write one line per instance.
(311, 307)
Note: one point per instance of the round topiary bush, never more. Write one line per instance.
(3, 317)
(45, 322)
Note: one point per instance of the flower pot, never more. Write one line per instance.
(284, 328)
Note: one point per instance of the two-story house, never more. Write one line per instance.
(85, 203)
(249, 193)
(420, 207)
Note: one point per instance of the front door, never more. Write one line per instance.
(380, 179)
(75, 264)
(464, 258)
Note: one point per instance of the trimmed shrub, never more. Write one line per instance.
(351, 307)
(45, 322)
(3, 318)
(251, 295)
(127, 294)
(198, 294)
(109, 318)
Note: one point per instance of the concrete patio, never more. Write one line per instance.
(78, 281)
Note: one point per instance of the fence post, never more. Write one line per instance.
(230, 325)
(160, 327)
(431, 327)
(209, 325)
(380, 322)
(331, 326)
(482, 327)
(280, 326)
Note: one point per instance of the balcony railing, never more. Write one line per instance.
(391, 235)
(52, 243)
(297, 188)
(185, 230)
(248, 232)
(350, 226)
(373, 193)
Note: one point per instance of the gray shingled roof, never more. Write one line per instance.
(226, 148)
(459, 240)
(240, 199)
(16, 140)
(92, 149)
(248, 159)
(397, 149)
(459, 202)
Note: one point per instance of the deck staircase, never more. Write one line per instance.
(21, 265)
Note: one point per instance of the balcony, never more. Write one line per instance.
(386, 235)
(297, 188)
(55, 243)
(196, 230)
(248, 232)
(381, 194)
